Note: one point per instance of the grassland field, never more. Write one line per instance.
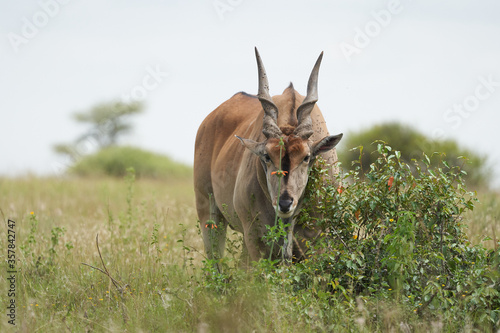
(150, 244)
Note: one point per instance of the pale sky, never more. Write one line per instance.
(431, 64)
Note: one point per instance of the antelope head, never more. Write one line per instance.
(289, 153)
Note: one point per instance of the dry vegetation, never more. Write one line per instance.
(54, 286)
(150, 244)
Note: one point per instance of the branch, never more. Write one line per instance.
(117, 284)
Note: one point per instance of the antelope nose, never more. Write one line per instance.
(285, 204)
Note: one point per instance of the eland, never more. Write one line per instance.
(240, 147)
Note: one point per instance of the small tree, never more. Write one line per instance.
(107, 122)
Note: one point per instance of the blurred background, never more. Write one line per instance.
(78, 77)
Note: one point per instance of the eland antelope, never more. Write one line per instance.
(237, 155)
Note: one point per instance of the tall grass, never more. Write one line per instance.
(149, 241)
(484, 220)
(55, 287)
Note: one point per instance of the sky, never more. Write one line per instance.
(434, 65)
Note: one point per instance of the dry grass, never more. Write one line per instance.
(86, 207)
(164, 278)
(484, 221)
(49, 291)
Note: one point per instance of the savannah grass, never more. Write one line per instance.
(150, 243)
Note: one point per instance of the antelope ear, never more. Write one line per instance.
(326, 144)
(254, 146)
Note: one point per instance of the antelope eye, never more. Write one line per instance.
(266, 158)
(307, 158)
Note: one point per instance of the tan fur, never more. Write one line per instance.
(234, 176)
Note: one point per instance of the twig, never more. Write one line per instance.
(419, 310)
(195, 250)
(105, 271)
(180, 298)
(117, 284)
(340, 238)
(94, 267)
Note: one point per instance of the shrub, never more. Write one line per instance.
(412, 144)
(114, 161)
(396, 233)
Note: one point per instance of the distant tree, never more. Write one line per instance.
(411, 143)
(68, 149)
(107, 122)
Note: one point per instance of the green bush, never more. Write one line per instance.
(412, 144)
(114, 161)
(396, 234)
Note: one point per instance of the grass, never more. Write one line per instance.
(485, 219)
(150, 244)
(55, 286)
